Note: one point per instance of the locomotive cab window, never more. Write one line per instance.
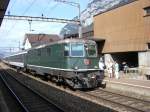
(91, 50)
(66, 50)
(77, 49)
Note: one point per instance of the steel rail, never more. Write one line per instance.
(124, 95)
(128, 107)
(41, 96)
(13, 93)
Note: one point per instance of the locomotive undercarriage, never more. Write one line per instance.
(74, 79)
(80, 80)
(77, 80)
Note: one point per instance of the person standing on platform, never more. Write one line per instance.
(101, 66)
(110, 68)
(116, 70)
(124, 67)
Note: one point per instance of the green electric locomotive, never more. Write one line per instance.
(70, 61)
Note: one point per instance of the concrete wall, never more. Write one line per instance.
(125, 28)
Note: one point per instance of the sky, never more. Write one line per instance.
(12, 31)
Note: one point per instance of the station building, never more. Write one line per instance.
(34, 40)
(126, 31)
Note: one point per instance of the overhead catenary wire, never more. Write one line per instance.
(47, 10)
(11, 7)
(25, 11)
(44, 19)
(28, 8)
(44, 9)
(52, 8)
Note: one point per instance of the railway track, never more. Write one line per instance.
(29, 100)
(128, 104)
(118, 102)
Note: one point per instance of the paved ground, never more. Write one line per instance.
(130, 85)
(7, 101)
(3, 105)
(132, 82)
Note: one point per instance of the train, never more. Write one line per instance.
(70, 61)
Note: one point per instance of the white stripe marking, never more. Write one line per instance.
(127, 84)
(61, 68)
(17, 64)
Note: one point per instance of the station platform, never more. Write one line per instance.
(133, 87)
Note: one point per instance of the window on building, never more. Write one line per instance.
(147, 10)
(148, 45)
(48, 51)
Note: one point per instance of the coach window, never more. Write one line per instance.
(48, 51)
(66, 50)
(77, 49)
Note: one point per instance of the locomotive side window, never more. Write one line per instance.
(91, 50)
(66, 50)
(48, 51)
(77, 49)
(39, 52)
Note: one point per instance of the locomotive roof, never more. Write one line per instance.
(56, 42)
(17, 53)
(67, 41)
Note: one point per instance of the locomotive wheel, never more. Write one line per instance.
(70, 83)
(73, 83)
(59, 80)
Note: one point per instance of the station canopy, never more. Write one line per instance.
(3, 7)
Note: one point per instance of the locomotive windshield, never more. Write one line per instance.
(77, 49)
(91, 50)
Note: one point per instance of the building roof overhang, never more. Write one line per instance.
(96, 39)
(3, 7)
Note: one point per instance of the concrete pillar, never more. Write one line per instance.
(144, 62)
(144, 59)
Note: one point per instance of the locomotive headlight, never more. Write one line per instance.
(93, 76)
(95, 66)
(75, 67)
